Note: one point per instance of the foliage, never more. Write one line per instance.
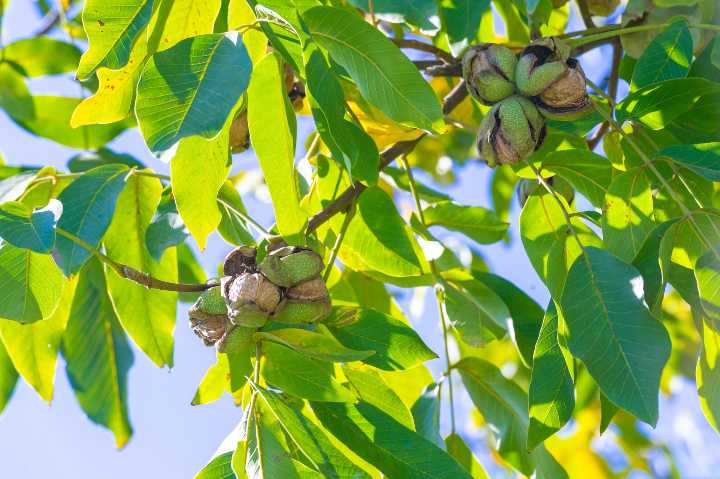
(625, 237)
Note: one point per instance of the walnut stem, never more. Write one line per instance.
(424, 47)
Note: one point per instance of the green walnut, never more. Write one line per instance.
(489, 72)
(208, 316)
(251, 298)
(291, 265)
(236, 339)
(307, 302)
(510, 132)
(555, 81)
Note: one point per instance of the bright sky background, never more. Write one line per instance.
(173, 439)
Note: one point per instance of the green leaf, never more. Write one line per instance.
(397, 346)
(111, 29)
(266, 457)
(587, 172)
(88, 207)
(414, 12)
(33, 347)
(104, 156)
(384, 76)
(708, 373)
(310, 439)
(503, 185)
(233, 227)
(275, 147)
(25, 228)
(39, 56)
(191, 88)
(400, 178)
(426, 414)
(607, 412)
(623, 347)
(703, 159)
(647, 262)
(658, 105)
(97, 355)
(166, 228)
(627, 219)
(313, 345)
(49, 117)
(461, 21)
(707, 275)
(219, 467)
(301, 376)
(8, 378)
(503, 405)
(377, 239)
(457, 448)
(385, 443)
(475, 311)
(668, 56)
(475, 222)
(525, 314)
(147, 314)
(31, 285)
(370, 388)
(347, 142)
(547, 241)
(551, 394)
(197, 172)
(229, 373)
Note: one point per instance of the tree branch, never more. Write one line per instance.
(585, 14)
(424, 47)
(612, 90)
(348, 197)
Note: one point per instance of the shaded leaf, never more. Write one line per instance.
(426, 415)
(587, 172)
(384, 76)
(414, 12)
(551, 396)
(703, 159)
(88, 207)
(370, 388)
(191, 88)
(25, 228)
(613, 333)
(31, 285)
(229, 373)
(461, 21)
(457, 448)
(233, 227)
(397, 346)
(301, 376)
(385, 443)
(668, 56)
(310, 439)
(475, 311)
(503, 405)
(708, 373)
(313, 345)
(166, 228)
(97, 354)
(476, 222)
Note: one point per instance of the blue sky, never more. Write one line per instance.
(172, 438)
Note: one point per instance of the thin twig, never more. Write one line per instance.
(612, 90)
(347, 197)
(424, 47)
(140, 277)
(439, 293)
(585, 14)
(338, 241)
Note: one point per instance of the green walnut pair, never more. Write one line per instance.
(542, 82)
(285, 287)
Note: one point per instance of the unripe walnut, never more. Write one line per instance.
(555, 81)
(208, 316)
(251, 298)
(510, 132)
(291, 265)
(489, 72)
